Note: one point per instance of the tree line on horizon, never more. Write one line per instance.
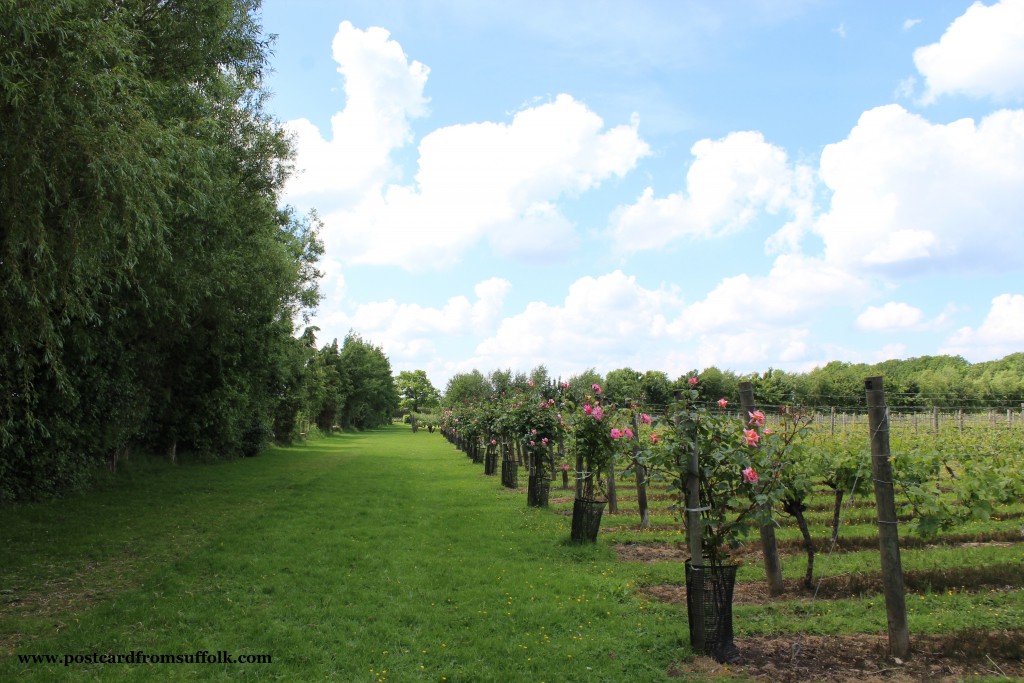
(923, 382)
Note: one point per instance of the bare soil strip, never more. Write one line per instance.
(864, 658)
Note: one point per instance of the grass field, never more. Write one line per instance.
(388, 556)
(361, 557)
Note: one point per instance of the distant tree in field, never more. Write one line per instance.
(416, 391)
(716, 384)
(656, 389)
(580, 385)
(372, 397)
(622, 386)
(466, 388)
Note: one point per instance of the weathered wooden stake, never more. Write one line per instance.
(769, 547)
(695, 532)
(888, 530)
(641, 477)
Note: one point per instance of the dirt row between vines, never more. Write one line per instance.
(805, 658)
(998, 577)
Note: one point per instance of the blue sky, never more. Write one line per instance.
(660, 185)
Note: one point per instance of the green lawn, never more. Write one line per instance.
(360, 557)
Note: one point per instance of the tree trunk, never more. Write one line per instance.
(796, 509)
(613, 504)
(836, 513)
(641, 496)
(641, 477)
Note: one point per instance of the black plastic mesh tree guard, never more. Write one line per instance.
(491, 460)
(715, 610)
(538, 488)
(586, 520)
(509, 474)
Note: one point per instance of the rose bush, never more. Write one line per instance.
(738, 472)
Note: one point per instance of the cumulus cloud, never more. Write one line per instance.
(981, 54)
(795, 287)
(383, 92)
(1000, 334)
(731, 182)
(497, 180)
(910, 195)
(601, 320)
(410, 331)
(752, 348)
(890, 316)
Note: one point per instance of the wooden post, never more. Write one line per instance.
(579, 475)
(888, 530)
(641, 477)
(613, 500)
(694, 534)
(769, 547)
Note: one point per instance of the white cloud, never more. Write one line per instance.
(890, 316)
(383, 92)
(731, 181)
(1000, 334)
(489, 179)
(908, 194)
(796, 287)
(751, 349)
(410, 331)
(601, 320)
(910, 23)
(490, 299)
(981, 54)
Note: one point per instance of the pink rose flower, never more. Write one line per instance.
(598, 413)
(756, 417)
(588, 409)
(596, 388)
(655, 438)
(628, 433)
(692, 381)
(645, 418)
(722, 403)
(750, 475)
(751, 437)
(616, 434)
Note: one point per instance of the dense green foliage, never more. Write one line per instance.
(149, 278)
(925, 382)
(417, 393)
(928, 381)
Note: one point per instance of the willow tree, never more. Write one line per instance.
(148, 277)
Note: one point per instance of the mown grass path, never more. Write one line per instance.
(384, 556)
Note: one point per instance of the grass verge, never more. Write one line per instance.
(360, 557)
